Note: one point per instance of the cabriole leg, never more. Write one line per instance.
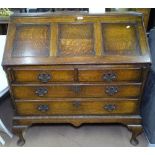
(136, 130)
(18, 131)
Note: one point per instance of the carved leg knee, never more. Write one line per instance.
(18, 131)
(136, 130)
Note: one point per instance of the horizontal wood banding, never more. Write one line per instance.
(84, 74)
(56, 75)
(121, 74)
(84, 107)
(29, 120)
(76, 90)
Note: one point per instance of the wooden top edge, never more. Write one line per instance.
(21, 63)
(130, 13)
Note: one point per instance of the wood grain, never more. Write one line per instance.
(70, 90)
(129, 47)
(31, 40)
(70, 108)
(76, 68)
(56, 75)
(99, 74)
(54, 39)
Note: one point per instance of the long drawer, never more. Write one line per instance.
(76, 90)
(49, 74)
(77, 107)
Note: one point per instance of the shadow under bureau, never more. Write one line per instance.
(76, 69)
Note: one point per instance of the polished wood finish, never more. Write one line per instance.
(77, 69)
(84, 74)
(76, 90)
(98, 74)
(146, 13)
(75, 40)
(120, 39)
(57, 74)
(27, 43)
(75, 107)
(124, 20)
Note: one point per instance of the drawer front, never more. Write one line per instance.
(82, 90)
(110, 75)
(44, 76)
(77, 107)
(68, 74)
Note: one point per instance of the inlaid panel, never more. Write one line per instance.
(120, 39)
(31, 40)
(76, 40)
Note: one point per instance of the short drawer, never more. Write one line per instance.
(109, 75)
(76, 90)
(78, 107)
(43, 74)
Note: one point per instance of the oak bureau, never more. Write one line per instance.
(79, 68)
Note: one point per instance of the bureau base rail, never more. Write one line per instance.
(133, 123)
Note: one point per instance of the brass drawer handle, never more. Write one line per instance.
(109, 76)
(112, 90)
(41, 91)
(77, 104)
(110, 107)
(44, 77)
(43, 108)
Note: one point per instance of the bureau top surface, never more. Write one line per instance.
(111, 38)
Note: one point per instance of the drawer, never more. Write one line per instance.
(43, 74)
(76, 90)
(110, 75)
(77, 107)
